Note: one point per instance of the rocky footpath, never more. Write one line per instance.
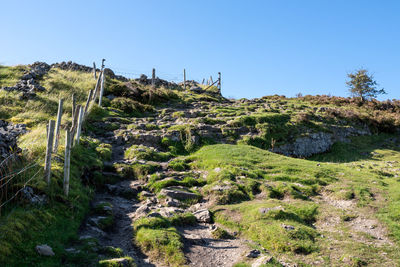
(118, 205)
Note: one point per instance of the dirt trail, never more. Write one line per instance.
(202, 250)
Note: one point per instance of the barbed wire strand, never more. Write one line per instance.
(16, 174)
(26, 183)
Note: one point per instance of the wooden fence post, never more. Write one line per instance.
(88, 102)
(101, 89)
(47, 163)
(211, 80)
(96, 88)
(74, 123)
(67, 161)
(94, 70)
(153, 78)
(184, 79)
(202, 81)
(79, 128)
(59, 116)
(73, 105)
(219, 81)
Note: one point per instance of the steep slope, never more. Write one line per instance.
(188, 177)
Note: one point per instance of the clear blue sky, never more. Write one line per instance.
(261, 47)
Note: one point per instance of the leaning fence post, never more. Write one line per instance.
(47, 163)
(94, 70)
(153, 78)
(79, 128)
(101, 89)
(219, 81)
(97, 85)
(67, 160)
(75, 122)
(73, 105)
(59, 116)
(88, 101)
(184, 79)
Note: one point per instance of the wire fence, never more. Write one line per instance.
(16, 173)
(172, 77)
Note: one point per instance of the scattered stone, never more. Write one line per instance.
(262, 261)
(142, 211)
(154, 215)
(28, 194)
(170, 211)
(44, 250)
(203, 216)
(266, 210)
(72, 250)
(255, 253)
(145, 193)
(288, 227)
(171, 202)
(122, 191)
(178, 194)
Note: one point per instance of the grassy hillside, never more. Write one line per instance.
(303, 186)
(339, 208)
(24, 226)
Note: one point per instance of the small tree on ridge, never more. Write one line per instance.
(363, 85)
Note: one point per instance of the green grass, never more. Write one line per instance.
(143, 152)
(156, 186)
(242, 172)
(246, 170)
(26, 226)
(160, 240)
(238, 179)
(9, 76)
(267, 228)
(128, 262)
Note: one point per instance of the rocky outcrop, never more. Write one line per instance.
(8, 138)
(320, 142)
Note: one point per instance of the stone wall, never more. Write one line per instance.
(28, 84)
(8, 138)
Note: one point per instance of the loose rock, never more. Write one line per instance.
(44, 250)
